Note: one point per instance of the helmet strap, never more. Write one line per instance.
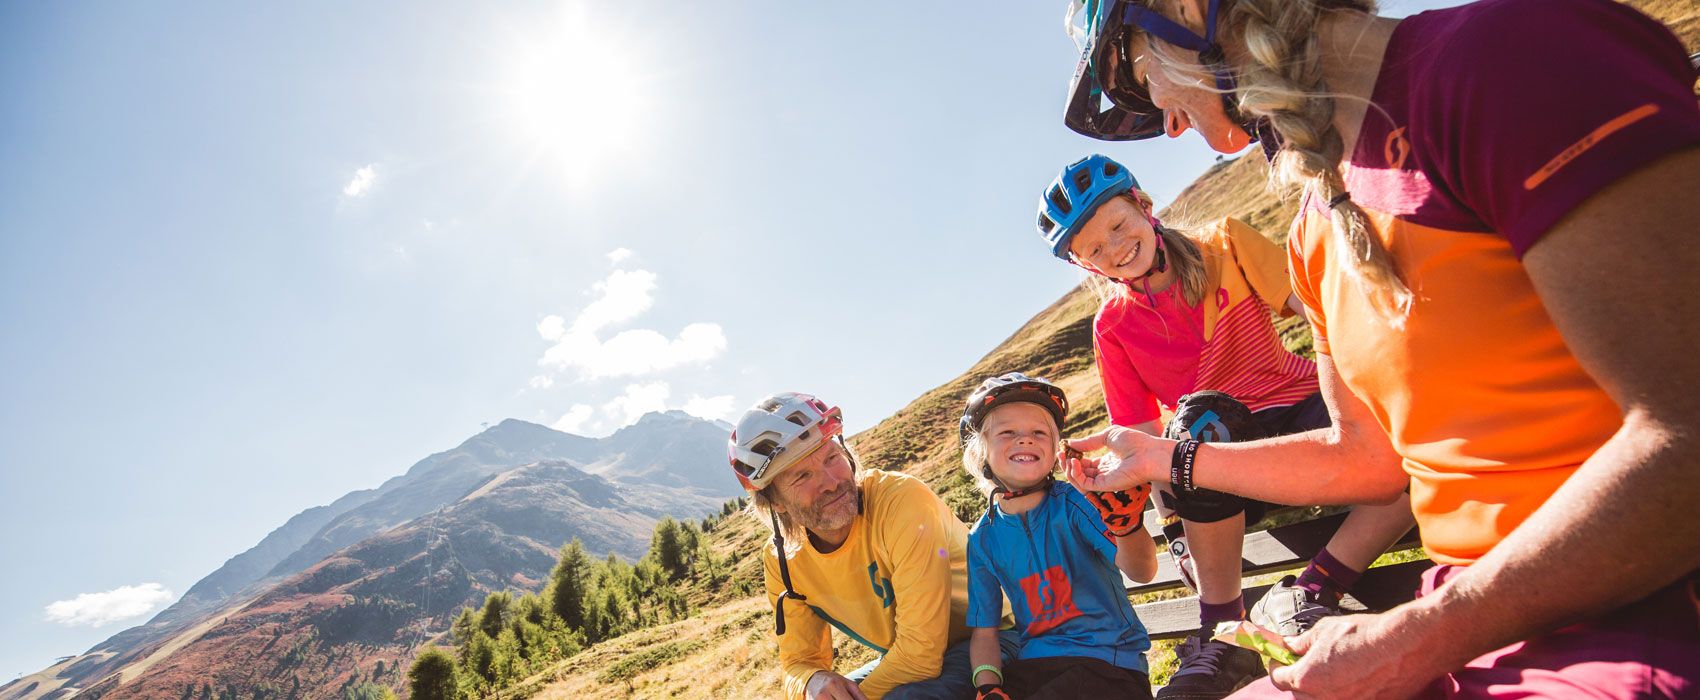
(784, 574)
(1213, 58)
(1009, 493)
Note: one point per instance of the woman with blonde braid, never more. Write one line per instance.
(1495, 252)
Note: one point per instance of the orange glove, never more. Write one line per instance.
(1123, 511)
(990, 691)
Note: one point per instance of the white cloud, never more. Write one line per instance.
(624, 295)
(97, 609)
(619, 255)
(710, 407)
(552, 327)
(636, 352)
(638, 400)
(542, 381)
(362, 182)
(621, 297)
(635, 401)
(573, 421)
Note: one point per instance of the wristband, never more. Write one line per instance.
(1136, 528)
(986, 667)
(1180, 466)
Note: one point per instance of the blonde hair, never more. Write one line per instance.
(761, 504)
(1283, 84)
(1179, 248)
(977, 463)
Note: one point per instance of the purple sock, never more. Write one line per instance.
(1327, 578)
(1210, 614)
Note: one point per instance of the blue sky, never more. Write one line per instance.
(253, 258)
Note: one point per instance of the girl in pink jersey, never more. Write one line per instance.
(1496, 255)
(1186, 325)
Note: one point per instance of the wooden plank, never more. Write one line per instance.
(1379, 589)
(1265, 551)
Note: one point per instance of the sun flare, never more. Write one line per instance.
(576, 95)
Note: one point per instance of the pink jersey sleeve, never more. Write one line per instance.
(1129, 401)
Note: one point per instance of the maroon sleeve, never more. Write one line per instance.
(1539, 104)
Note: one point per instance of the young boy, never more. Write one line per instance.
(1054, 552)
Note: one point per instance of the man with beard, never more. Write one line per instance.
(872, 553)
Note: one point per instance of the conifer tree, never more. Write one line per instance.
(571, 589)
(668, 547)
(433, 677)
(495, 613)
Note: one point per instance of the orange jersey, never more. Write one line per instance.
(1461, 170)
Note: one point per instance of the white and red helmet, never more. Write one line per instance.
(777, 432)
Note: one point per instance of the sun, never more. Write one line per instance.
(577, 95)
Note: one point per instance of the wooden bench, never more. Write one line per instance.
(1286, 547)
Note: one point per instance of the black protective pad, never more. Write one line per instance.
(1212, 416)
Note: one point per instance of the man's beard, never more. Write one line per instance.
(834, 515)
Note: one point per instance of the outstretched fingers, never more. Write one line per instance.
(1093, 442)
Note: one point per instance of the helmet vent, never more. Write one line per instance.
(1082, 179)
(1045, 224)
(798, 418)
(764, 448)
(1059, 201)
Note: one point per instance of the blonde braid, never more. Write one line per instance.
(1283, 83)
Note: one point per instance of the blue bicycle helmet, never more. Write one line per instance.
(1072, 198)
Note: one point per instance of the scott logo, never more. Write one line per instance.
(882, 586)
(1050, 599)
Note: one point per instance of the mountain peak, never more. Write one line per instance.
(668, 416)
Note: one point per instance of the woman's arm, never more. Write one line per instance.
(1352, 461)
(1618, 278)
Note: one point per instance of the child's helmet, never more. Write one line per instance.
(777, 432)
(1076, 194)
(1007, 389)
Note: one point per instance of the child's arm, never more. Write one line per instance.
(983, 650)
(1136, 555)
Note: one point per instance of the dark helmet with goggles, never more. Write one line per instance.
(1105, 73)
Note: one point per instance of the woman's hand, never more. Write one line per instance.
(1339, 653)
(1135, 458)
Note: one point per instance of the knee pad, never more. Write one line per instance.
(1212, 416)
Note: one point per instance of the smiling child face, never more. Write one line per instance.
(1021, 444)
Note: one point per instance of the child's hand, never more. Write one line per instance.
(1123, 511)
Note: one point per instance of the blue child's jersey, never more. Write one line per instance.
(1058, 569)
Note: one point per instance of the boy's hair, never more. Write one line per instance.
(1183, 254)
(975, 456)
